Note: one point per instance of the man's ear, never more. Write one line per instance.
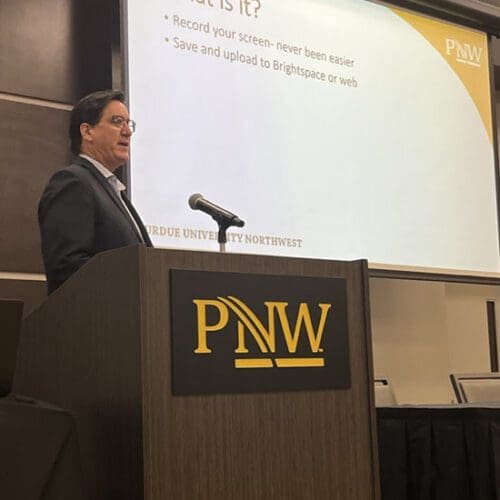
(86, 132)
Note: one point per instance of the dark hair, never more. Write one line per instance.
(89, 110)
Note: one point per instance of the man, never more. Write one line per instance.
(83, 210)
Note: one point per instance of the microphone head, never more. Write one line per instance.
(193, 200)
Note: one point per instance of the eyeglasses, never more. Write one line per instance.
(119, 121)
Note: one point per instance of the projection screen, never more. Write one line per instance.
(338, 129)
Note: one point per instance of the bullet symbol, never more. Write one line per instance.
(166, 17)
(166, 39)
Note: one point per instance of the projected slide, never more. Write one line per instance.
(336, 129)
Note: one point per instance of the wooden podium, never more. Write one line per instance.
(100, 346)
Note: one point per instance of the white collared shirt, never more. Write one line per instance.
(117, 186)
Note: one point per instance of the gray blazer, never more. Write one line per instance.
(80, 215)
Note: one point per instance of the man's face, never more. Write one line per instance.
(108, 141)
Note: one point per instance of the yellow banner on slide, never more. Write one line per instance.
(466, 51)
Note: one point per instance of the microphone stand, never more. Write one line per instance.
(221, 236)
(223, 218)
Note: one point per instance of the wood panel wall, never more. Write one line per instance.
(51, 54)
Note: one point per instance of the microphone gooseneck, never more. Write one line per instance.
(220, 215)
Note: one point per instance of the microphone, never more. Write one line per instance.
(221, 215)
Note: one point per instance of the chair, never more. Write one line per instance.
(384, 396)
(11, 312)
(476, 387)
(39, 450)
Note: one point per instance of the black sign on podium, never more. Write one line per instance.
(242, 333)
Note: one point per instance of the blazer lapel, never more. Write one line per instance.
(140, 224)
(114, 196)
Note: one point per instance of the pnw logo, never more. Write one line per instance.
(278, 329)
(245, 332)
(464, 53)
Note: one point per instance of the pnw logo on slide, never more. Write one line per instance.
(464, 53)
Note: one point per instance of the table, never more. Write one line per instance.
(442, 452)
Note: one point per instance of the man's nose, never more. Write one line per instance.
(126, 130)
